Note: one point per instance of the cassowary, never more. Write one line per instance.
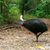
(36, 26)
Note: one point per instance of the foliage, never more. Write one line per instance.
(43, 9)
(10, 10)
(1, 19)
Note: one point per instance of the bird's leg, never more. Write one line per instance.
(39, 34)
(36, 38)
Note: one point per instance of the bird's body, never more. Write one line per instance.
(36, 26)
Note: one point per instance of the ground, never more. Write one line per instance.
(18, 39)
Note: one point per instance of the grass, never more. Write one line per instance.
(27, 16)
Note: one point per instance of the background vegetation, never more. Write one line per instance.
(10, 10)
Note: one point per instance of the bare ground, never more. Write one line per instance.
(17, 39)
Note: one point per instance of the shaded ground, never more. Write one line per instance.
(17, 39)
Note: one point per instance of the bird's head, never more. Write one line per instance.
(21, 20)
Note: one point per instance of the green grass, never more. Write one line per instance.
(27, 16)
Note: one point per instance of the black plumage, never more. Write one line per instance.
(36, 26)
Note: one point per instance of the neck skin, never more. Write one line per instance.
(21, 18)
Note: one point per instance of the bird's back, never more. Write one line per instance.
(35, 25)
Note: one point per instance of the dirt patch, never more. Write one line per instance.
(17, 39)
(14, 39)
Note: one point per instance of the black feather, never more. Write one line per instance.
(36, 26)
